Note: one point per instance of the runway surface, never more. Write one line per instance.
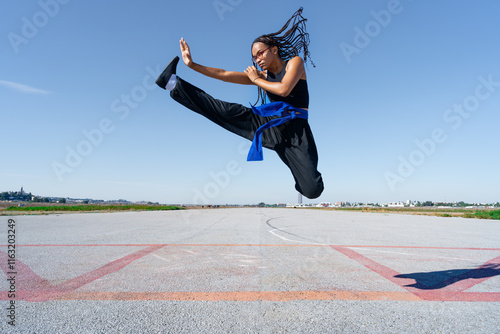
(249, 270)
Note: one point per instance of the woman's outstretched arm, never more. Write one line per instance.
(212, 72)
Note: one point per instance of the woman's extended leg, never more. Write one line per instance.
(233, 117)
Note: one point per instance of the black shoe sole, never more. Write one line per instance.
(162, 80)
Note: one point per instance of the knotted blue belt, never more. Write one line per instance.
(286, 112)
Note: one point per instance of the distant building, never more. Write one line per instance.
(396, 205)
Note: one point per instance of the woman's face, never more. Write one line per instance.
(263, 55)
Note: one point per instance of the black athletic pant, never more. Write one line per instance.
(293, 140)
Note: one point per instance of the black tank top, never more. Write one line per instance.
(298, 97)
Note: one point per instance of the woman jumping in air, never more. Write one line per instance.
(280, 125)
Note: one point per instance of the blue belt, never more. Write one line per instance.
(286, 112)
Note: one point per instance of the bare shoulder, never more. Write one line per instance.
(297, 63)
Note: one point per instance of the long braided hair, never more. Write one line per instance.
(290, 42)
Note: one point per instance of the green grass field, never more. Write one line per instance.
(48, 209)
(92, 208)
(495, 214)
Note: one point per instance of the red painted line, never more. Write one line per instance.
(281, 296)
(88, 245)
(24, 276)
(278, 296)
(448, 293)
(43, 292)
(473, 277)
(382, 270)
(422, 247)
(109, 268)
(452, 296)
(256, 245)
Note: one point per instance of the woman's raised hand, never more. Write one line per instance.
(186, 53)
(252, 73)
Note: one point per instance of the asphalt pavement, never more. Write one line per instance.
(249, 270)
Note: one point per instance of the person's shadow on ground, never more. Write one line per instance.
(440, 279)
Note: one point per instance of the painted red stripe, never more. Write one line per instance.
(256, 245)
(25, 277)
(441, 296)
(284, 296)
(380, 269)
(455, 293)
(452, 296)
(32, 290)
(475, 276)
(109, 268)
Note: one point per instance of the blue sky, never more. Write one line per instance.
(405, 100)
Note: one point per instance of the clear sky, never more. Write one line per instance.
(405, 100)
